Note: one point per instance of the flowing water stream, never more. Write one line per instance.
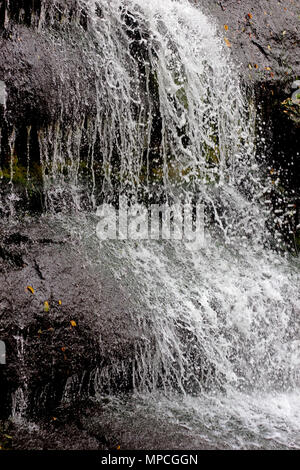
(220, 321)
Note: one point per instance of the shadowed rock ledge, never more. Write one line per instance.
(61, 322)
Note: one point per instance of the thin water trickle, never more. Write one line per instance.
(20, 396)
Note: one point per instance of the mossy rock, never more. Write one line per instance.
(6, 440)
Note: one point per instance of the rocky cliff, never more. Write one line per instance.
(48, 292)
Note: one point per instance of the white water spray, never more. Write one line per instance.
(220, 324)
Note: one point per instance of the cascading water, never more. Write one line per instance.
(220, 322)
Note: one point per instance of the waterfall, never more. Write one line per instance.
(173, 120)
(19, 398)
(220, 323)
(169, 118)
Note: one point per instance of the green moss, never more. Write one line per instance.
(26, 182)
(6, 440)
(20, 175)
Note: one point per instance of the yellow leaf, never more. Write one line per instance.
(267, 68)
(31, 289)
(119, 447)
(59, 302)
(46, 306)
(250, 16)
(227, 42)
(40, 332)
(73, 323)
(250, 66)
(226, 27)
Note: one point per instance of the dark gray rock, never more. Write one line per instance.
(49, 80)
(41, 50)
(106, 425)
(264, 36)
(44, 350)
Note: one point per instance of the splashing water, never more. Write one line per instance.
(218, 323)
(171, 118)
(221, 344)
(220, 328)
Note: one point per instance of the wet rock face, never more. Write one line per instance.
(49, 84)
(101, 425)
(46, 75)
(60, 321)
(264, 36)
(41, 49)
(41, 52)
(281, 144)
(38, 12)
(48, 72)
(36, 71)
